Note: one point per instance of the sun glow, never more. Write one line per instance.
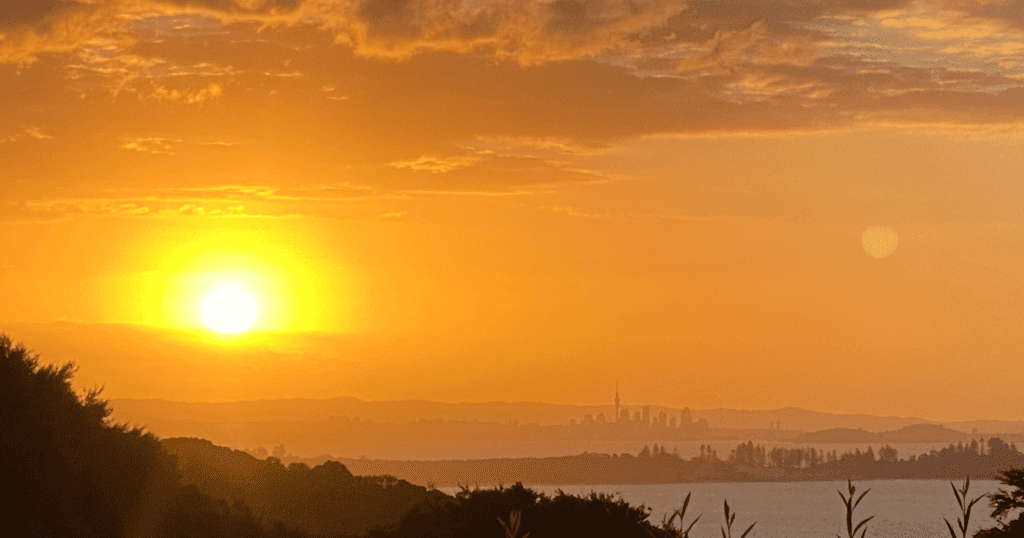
(229, 309)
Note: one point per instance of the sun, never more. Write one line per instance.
(229, 309)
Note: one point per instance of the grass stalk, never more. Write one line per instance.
(851, 502)
(684, 530)
(730, 517)
(512, 528)
(965, 509)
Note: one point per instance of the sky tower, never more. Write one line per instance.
(616, 401)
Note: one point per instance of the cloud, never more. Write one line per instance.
(238, 7)
(1005, 12)
(753, 45)
(39, 15)
(188, 96)
(986, 50)
(630, 215)
(528, 31)
(32, 27)
(37, 133)
(151, 145)
(436, 165)
(476, 96)
(68, 207)
(496, 166)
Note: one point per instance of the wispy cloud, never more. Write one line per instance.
(436, 165)
(630, 215)
(188, 96)
(152, 145)
(37, 133)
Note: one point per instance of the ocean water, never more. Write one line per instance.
(902, 508)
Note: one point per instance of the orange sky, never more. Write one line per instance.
(521, 200)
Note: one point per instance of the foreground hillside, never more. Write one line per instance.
(77, 474)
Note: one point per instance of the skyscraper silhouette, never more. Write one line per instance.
(616, 401)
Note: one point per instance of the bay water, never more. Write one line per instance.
(902, 508)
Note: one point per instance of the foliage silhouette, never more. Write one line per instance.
(326, 498)
(851, 505)
(684, 530)
(1004, 502)
(512, 528)
(472, 514)
(730, 518)
(78, 475)
(965, 509)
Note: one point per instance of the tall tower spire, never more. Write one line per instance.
(616, 401)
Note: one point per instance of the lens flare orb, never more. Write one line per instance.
(229, 309)
(879, 241)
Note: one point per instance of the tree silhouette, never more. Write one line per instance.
(76, 474)
(1005, 501)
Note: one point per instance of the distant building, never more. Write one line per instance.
(685, 418)
(616, 401)
(646, 416)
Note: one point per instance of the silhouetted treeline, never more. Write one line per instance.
(475, 514)
(326, 498)
(978, 458)
(746, 463)
(750, 462)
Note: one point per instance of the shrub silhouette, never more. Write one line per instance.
(326, 498)
(75, 473)
(1004, 503)
(480, 513)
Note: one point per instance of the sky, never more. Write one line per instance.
(715, 203)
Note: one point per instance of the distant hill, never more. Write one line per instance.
(794, 418)
(837, 435)
(145, 411)
(917, 433)
(398, 411)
